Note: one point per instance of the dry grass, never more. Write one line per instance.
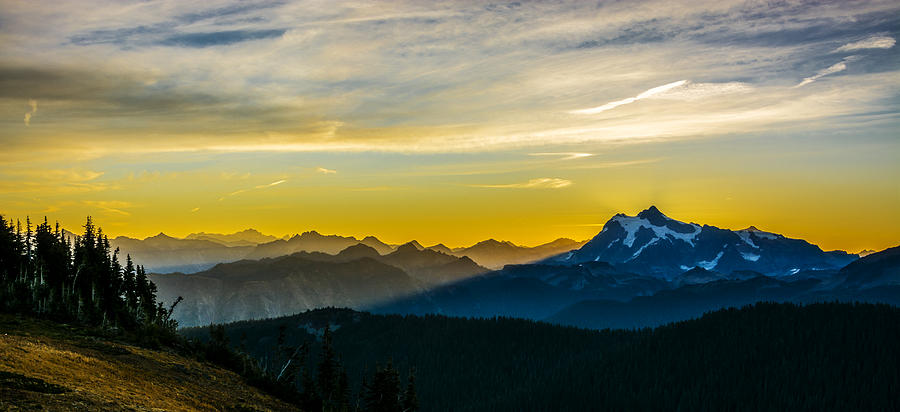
(103, 375)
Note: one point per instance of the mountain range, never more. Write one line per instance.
(652, 243)
(248, 237)
(641, 270)
(356, 277)
(599, 295)
(201, 251)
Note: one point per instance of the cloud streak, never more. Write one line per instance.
(325, 171)
(257, 187)
(564, 155)
(110, 206)
(834, 68)
(874, 42)
(649, 93)
(33, 104)
(540, 183)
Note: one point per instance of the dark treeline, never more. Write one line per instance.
(314, 382)
(43, 273)
(829, 356)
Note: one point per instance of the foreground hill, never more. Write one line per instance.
(48, 366)
(762, 357)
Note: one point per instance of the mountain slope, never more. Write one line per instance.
(431, 266)
(312, 241)
(654, 244)
(875, 269)
(47, 366)
(872, 280)
(162, 253)
(531, 291)
(250, 289)
(494, 254)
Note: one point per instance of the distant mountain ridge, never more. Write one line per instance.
(655, 244)
(248, 237)
(495, 254)
(200, 251)
(355, 277)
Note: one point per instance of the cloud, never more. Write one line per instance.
(625, 163)
(267, 185)
(874, 42)
(644, 95)
(270, 184)
(195, 209)
(33, 104)
(541, 183)
(218, 38)
(110, 206)
(226, 11)
(563, 155)
(834, 68)
(325, 171)
(691, 91)
(395, 75)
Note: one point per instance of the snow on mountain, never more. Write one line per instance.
(655, 244)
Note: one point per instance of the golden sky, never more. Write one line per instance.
(453, 123)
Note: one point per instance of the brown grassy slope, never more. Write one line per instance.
(47, 366)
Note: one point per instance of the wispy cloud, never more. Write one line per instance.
(218, 38)
(834, 68)
(644, 95)
(564, 155)
(325, 171)
(276, 183)
(624, 163)
(874, 42)
(110, 206)
(540, 183)
(691, 91)
(33, 104)
(394, 73)
(258, 187)
(194, 210)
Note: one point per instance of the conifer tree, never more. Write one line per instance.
(383, 393)
(410, 399)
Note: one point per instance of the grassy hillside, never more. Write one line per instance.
(49, 366)
(829, 356)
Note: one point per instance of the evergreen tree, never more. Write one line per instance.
(43, 273)
(383, 393)
(410, 399)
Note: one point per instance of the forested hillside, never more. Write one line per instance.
(830, 356)
(44, 273)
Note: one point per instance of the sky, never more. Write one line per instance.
(454, 121)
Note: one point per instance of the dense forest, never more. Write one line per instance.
(44, 273)
(827, 356)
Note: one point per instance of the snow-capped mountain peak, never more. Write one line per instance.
(662, 226)
(655, 244)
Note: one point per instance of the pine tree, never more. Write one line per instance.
(383, 394)
(410, 400)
